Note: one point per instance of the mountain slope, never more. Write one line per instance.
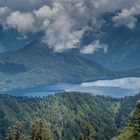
(132, 131)
(70, 110)
(36, 64)
(123, 46)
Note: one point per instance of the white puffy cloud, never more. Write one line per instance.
(4, 12)
(94, 47)
(60, 34)
(127, 17)
(44, 12)
(23, 22)
(64, 22)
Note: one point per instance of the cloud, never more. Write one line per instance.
(61, 35)
(94, 47)
(44, 12)
(23, 22)
(64, 22)
(128, 83)
(24, 5)
(4, 12)
(127, 17)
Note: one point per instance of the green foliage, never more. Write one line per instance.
(132, 131)
(14, 133)
(40, 130)
(67, 113)
(125, 110)
(89, 132)
(81, 137)
(125, 134)
(10, 134)
(136, 122)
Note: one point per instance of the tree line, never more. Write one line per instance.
(40, 130)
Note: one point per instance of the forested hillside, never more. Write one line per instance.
(132, 131)
(68, 113)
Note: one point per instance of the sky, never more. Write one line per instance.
(64, 22)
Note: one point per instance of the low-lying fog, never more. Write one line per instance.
(115, 88)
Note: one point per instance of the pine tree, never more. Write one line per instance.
(17, 129)
(81, 137)
(14, 132)
(40, 131)
(89, 132)
(10, 134)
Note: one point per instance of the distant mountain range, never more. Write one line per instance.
(36, 64)
(123, 46)
(11, 40)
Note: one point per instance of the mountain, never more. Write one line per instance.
(69, 112)
(36, 64)
(11, 40)
(123, 45)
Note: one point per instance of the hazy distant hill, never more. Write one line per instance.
(36, 64)
(123, 46)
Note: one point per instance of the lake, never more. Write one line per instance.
(114, 88)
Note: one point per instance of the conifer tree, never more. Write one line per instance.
(89, 132)
(81, 137)
(10, 134)
(14, 132)
(17, 129)
(40, 131)
(136, 122)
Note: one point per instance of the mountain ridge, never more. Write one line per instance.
(42, 65)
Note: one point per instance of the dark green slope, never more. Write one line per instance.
(126, 110)
(132, 131)
(70, 110)
(36, 64)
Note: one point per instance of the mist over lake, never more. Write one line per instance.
(114, 88)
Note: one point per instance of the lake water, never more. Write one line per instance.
(114, 88)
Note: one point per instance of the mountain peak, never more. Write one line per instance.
(43, 66)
